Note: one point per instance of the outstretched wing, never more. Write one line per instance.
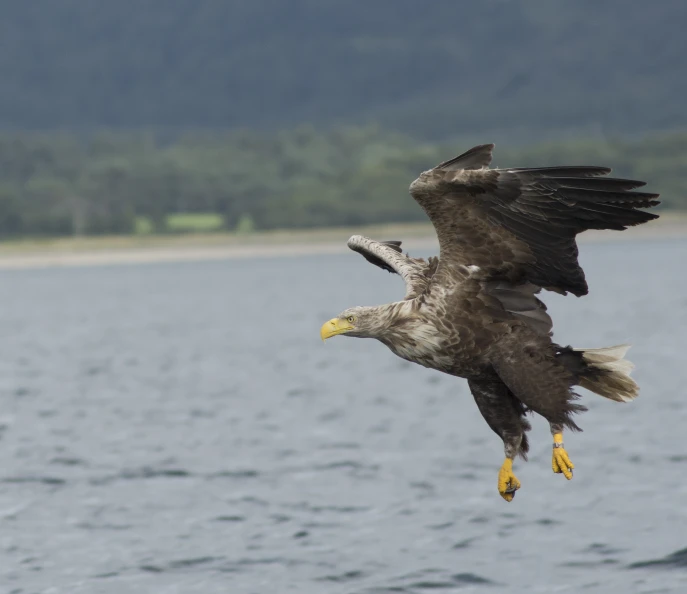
(388, 255)
(520, 224)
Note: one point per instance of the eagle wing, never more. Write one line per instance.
(416, 272)
(520, 224)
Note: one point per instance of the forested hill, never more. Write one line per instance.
(427, 68)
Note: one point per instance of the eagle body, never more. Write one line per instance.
(474, 311)
(436, 329)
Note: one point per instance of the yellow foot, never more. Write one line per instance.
(508, 483)
(561, 462)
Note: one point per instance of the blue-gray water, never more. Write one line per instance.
(181, 428)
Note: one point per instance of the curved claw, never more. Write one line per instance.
(508, 483)
(561, 463)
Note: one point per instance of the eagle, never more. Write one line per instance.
(474, 311)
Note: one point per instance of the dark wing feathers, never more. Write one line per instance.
(475, 158)
(521, 302)
(376, 260)
(596, 183)
(393, 244)
(578, 171)
(521, 223)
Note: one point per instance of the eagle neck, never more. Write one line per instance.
(394, 317)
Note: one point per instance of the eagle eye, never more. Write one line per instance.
(350, 319)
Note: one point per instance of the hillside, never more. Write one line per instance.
(56, 184)
(433, 70)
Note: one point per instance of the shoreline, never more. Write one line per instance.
(108, 251)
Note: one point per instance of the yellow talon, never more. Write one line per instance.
(561, 462)
(508, 482)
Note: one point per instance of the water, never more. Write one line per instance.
(181, 428)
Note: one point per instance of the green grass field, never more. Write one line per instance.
(183, 223)
(194, 223)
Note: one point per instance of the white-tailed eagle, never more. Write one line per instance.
(473, 312)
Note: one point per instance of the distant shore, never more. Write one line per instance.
(102, 251)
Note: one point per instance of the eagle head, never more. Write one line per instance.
(361, 322)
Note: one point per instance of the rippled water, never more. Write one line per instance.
(181, 428)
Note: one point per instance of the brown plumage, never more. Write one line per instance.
(473, 312)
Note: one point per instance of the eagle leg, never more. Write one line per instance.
(561, 462)
(505, 415)
(508, 482)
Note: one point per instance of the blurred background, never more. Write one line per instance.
(173, 424)
(159, 116)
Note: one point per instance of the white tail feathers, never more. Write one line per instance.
(609, 373)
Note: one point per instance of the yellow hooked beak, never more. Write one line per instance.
(335, 326)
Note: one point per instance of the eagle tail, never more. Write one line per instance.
(606, 372)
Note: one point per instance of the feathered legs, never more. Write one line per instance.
(543, 384)
(561, 462)
(504, 414)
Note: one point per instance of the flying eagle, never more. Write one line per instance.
(473, 312)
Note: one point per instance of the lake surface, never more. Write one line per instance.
(178, 428)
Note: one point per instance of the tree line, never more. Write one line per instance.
(59, 184)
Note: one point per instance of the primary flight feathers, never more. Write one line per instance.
(521, 222)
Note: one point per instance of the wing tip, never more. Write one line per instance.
(478, 157)
(357, 243)
(394, 244)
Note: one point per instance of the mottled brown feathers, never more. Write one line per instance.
(521, 223)
(521, 302)
(474, 312)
